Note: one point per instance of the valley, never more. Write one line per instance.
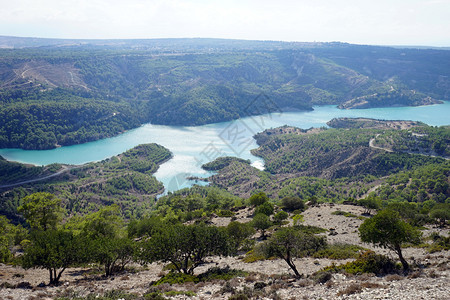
(223, 169)
(75, 94)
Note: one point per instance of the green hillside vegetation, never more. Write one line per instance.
(68, 95)
(104, 216)
(428, 183)
(372, 123)
(334, 153)
(423, 139)
(60, 119)
(11, 172)
(329, 164)
(222, 162)
(390, 98)
(125, 180)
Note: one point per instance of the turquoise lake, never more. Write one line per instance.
(194, 146)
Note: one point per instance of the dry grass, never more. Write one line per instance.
(433, 274)
(394, 277)
(372, 285)
(350, 290)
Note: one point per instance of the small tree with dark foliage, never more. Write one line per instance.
(185, 246)
(386, 229)
(290, 242)
(54, 250)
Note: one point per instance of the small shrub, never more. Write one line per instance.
(433, 274)
(176, 278)
(216, 273)
(238, 297)
(339, 251)
(371, 285)
(154, 296)
(415, 274)
(252, 257)
(6, 285)
(280, 216)
(350, 290)
(251, 278)
(292, 203)
(440, 243)
(322, 277)
(117, 294)
(184, 293)
(344, 213)
(304, 282)
(259, 285)
(227, 288)
(24, 285)
(109, 295)
(224, 213)
(368, 262)
(311, 229)
(393, 277)
(265, 208)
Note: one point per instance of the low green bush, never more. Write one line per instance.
(367, 262)
(251, 257)
(183, 293)
(224, 213)
(310, 229)
(344, 213)
(225, 273)
(108, 295)
(439, 243)
(339, 251)
(176, 278)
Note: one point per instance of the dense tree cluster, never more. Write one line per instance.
(45, 124)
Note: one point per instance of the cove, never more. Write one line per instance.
(193, 146)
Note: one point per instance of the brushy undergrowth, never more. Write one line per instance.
(439, 243)
(339, 251)
(109, 295)
(344, 213)
(367, 262)
(310, 229)
(214, 273)
(176, 278)
(252, 256)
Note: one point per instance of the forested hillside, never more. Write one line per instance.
(336, 164)
(126, 180)
(62, 95)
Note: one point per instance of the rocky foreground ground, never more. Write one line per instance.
(270, 279)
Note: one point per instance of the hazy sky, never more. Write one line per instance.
(386, 22)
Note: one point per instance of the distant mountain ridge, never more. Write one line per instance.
(115, 85)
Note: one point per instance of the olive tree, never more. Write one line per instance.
(54, 250)
(258, 199)
(386, 229)
(290, 242)
(185, 246)
(108, 241)
(41, 210)
(261, 222)
(238, 234)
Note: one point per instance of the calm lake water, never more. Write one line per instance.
(194, 146)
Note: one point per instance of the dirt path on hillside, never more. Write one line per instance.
(63, 170)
